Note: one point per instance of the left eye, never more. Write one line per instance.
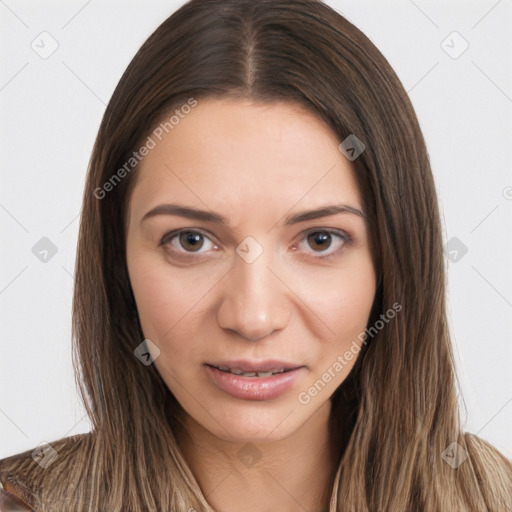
(323, 240)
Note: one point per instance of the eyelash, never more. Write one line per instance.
(345, 237)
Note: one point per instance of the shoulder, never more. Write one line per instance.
(484, 454)
(11, 500)
(492, 471)
(44, 468)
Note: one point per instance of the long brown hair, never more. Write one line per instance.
(396, 414)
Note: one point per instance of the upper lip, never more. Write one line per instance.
(256, 366)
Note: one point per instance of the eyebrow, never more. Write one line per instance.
(197, 214)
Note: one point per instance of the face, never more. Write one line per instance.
(234, 262)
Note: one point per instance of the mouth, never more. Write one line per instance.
(254, 381)
(249, 373)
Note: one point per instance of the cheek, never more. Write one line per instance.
(163, 304)
(155, 304)
(345, 309)
(161, 298)
(170, 303)
(352, 305)
(341, 297)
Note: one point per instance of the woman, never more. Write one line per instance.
(259, 312)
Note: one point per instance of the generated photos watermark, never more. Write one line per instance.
(344, 359)
(146, 352)
(151, 142)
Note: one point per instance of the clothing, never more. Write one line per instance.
(23, 479)
(11, 501)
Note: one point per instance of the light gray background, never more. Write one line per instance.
(50, 113)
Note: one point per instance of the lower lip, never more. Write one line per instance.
(253, 388)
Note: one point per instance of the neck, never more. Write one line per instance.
(290, 475)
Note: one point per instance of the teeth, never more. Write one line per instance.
(265, 374)
(250, 374)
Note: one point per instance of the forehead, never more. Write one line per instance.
(239, 154)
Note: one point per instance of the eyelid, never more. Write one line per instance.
(333, 231)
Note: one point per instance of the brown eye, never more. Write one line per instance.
(188, 242)
(320, 240)
(191, 240)
(325, 243)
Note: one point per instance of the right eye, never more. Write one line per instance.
(187, 241)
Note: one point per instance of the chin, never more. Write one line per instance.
(254, 422)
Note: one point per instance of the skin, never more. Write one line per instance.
(254, 164)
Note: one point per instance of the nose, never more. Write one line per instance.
(254, 302)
